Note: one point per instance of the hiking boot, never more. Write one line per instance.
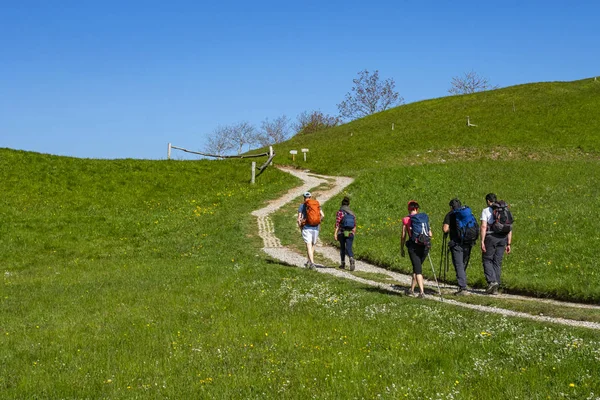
(421, 295)
(312, 266)
(492, 288)
(342, 266)
(461, 292)
(410, 293)
(495, 288)
(352, 264)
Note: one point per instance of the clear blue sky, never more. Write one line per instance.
(121, 79)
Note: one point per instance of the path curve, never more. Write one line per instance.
(336, 184)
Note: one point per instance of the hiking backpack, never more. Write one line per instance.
(467, 227)
(503, 218)
(313, 212)
(348, 221)
(419, 224)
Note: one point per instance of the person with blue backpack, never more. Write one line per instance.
(416, 235)
(345, 229)
(462, 227)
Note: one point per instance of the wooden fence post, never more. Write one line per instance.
(169, 152)
(253, 171)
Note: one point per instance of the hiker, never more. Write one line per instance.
(460, 224)
(309, 221)
(416, 234)
(496, 238)
(345, 229)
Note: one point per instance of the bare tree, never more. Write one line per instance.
(471, 82)
(314, 121)
(242, 133)
(219, 142)
(368, 96)
(272, 132)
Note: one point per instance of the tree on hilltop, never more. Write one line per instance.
(471, 82)
(368, 96)
(231, 137)
(314, 121)
(272, 132)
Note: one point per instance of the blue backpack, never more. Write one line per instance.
(466, 225)
(348, 221)
(420, 229)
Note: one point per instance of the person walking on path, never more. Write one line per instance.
(495, 240)
(416, 235)
(460, 224)
(345, 229)
(309, 222)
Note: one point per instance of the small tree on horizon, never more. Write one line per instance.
(272, 132)
(219, 143)
(471, 82)
(368, 96)
(314, 121)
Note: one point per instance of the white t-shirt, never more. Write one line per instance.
(488, 215)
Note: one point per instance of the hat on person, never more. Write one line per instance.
(307, 194)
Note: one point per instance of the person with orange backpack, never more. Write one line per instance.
(309, 222)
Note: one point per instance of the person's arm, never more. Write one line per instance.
(337, 226)
(402, 237)
(482, 231)
(300, 220)
(509, 243)
(446, 228)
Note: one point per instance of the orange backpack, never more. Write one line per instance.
(313, 212)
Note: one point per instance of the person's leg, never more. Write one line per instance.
(459, 266)
(423, 252)
(467, 256)
(349, 242)
(415, 261)
(342, 241)
(487, 259)
(498, 257)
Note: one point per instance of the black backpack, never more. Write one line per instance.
(467, 227)
(503, 218)
(420, 229)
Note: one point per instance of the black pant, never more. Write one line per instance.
(345, 245)
(417, 254)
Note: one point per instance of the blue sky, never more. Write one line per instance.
(122, 79)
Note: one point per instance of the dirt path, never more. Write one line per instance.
(273, 247)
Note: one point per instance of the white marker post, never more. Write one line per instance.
(253, 171)
(304, 151)
(169, 152)
(293, 153)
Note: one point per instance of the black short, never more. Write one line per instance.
(417, 254)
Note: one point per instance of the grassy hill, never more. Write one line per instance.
(537, 146)
(515, 122)
(144, 279)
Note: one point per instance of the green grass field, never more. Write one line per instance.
(133, 279)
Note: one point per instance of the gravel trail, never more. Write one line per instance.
(274, 248)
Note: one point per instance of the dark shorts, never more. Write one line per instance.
(417, 254)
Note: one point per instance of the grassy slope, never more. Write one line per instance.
(535, 145)
(141, 279)
(546, 117)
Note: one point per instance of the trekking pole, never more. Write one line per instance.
(442, 256)
(434, 277)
